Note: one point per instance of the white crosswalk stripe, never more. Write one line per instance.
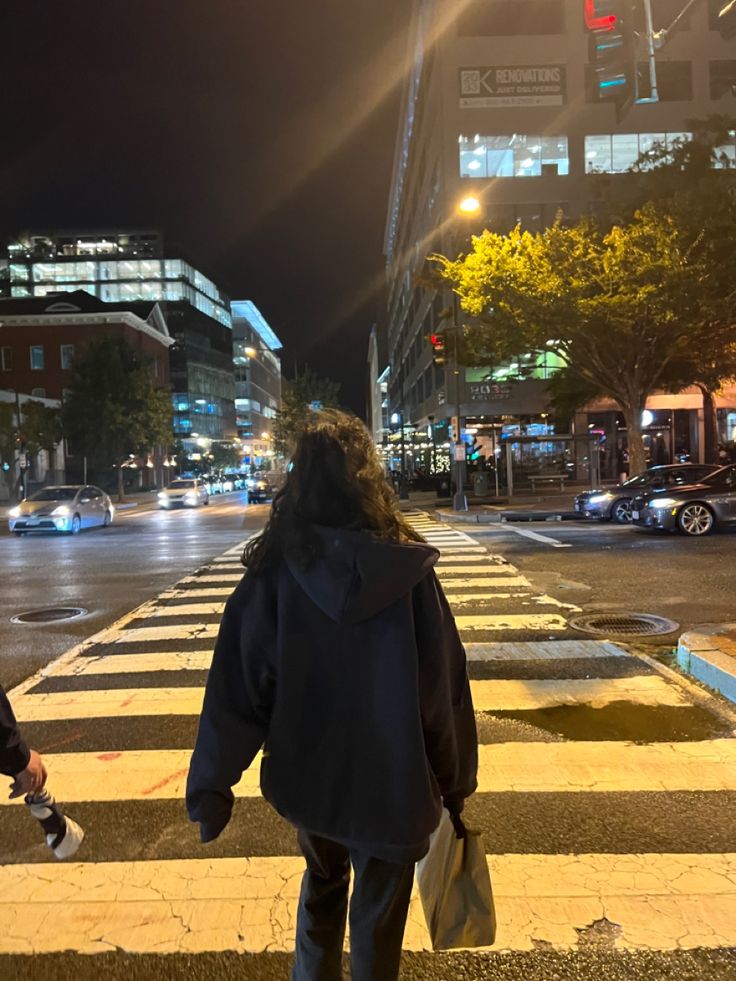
(101, 706)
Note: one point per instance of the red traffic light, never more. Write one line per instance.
(594, 23)
(437, 342)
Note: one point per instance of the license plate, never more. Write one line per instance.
(634, 515)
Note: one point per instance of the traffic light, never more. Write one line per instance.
(438, 346)
(727, 20)
(612, 50)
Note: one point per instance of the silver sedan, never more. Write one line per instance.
(66, 508)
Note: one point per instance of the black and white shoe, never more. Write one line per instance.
(63, 836)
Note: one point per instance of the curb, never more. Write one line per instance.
(709, 654)
(500, 517)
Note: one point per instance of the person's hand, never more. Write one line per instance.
(31, 779)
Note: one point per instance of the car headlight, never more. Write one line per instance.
(663, 502)
(14, 512)
(163, 496)
(189, 496)
(61, 512)
(600, 498)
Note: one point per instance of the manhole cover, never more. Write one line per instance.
(49, 615)
(623, 624)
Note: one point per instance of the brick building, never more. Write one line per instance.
(41, 336)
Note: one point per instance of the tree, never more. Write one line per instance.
(225, 455)
(114, 408)
(8, 431)
(298, 397)
(619, 306)
(41, 427)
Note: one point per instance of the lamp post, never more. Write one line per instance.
(468, 207)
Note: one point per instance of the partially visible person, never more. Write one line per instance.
(25, 766)
(339, 655)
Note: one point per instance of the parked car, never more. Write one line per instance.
(614, 503)
(65, 508)
(695, 509)
(187, 492)
(259, 489)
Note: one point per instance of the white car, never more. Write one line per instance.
(67, 508)
(185, 492)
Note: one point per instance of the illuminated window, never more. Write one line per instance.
(37, 358)
(513, 156)
(19, 272)
(618, 152)
(67, 356)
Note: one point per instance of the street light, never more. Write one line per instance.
(469, 205)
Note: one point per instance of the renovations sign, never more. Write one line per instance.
(512, 85)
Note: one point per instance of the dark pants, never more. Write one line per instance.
(378, 911)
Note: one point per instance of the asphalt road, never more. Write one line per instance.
(602, 566)
(106, 571)
(112, 571)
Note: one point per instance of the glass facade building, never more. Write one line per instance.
(257, 368)
(124, 267)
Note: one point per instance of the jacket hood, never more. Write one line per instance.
(360, 575)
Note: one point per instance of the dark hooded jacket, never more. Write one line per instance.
(14, 754)
(352, 677)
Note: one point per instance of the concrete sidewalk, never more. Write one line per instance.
(547, 507)
(708, 653)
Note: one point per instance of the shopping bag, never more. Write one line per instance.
(455, 888)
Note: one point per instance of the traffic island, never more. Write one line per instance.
(709, 654)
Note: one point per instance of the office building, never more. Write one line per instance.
(127, 266)
(500, 104)
(257, 368)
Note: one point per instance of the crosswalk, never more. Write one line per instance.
(605, 794)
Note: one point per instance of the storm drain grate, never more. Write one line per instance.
(49, 615)
(623, 624)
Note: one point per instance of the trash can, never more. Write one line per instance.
(480, 484)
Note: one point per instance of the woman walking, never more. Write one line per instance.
(338, 654)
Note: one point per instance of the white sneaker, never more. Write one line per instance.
(69, 844)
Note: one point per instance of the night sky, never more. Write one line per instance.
(258, 135)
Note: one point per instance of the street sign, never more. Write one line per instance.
(459, 453)
(23, 460)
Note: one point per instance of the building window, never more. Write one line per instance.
(37, 359)
(722, 79)
(506, 18)
(513, 156)
(39, 393)
(6, 358)
(618, 152)
(67, 356)
(674, 80)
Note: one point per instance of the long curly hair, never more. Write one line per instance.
(335, 479)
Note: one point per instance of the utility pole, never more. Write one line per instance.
(459, 501)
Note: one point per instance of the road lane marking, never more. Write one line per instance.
(519, 767)
(511, 621)
(249, 905)
(488, 696)
(134, 664)
(535, 536)
(508, 695)
(542, 650)
(191, 631)
(494, 582)
(187, 609)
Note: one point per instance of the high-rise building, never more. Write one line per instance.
(126, 266)
(500, 104)
(257, 382)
